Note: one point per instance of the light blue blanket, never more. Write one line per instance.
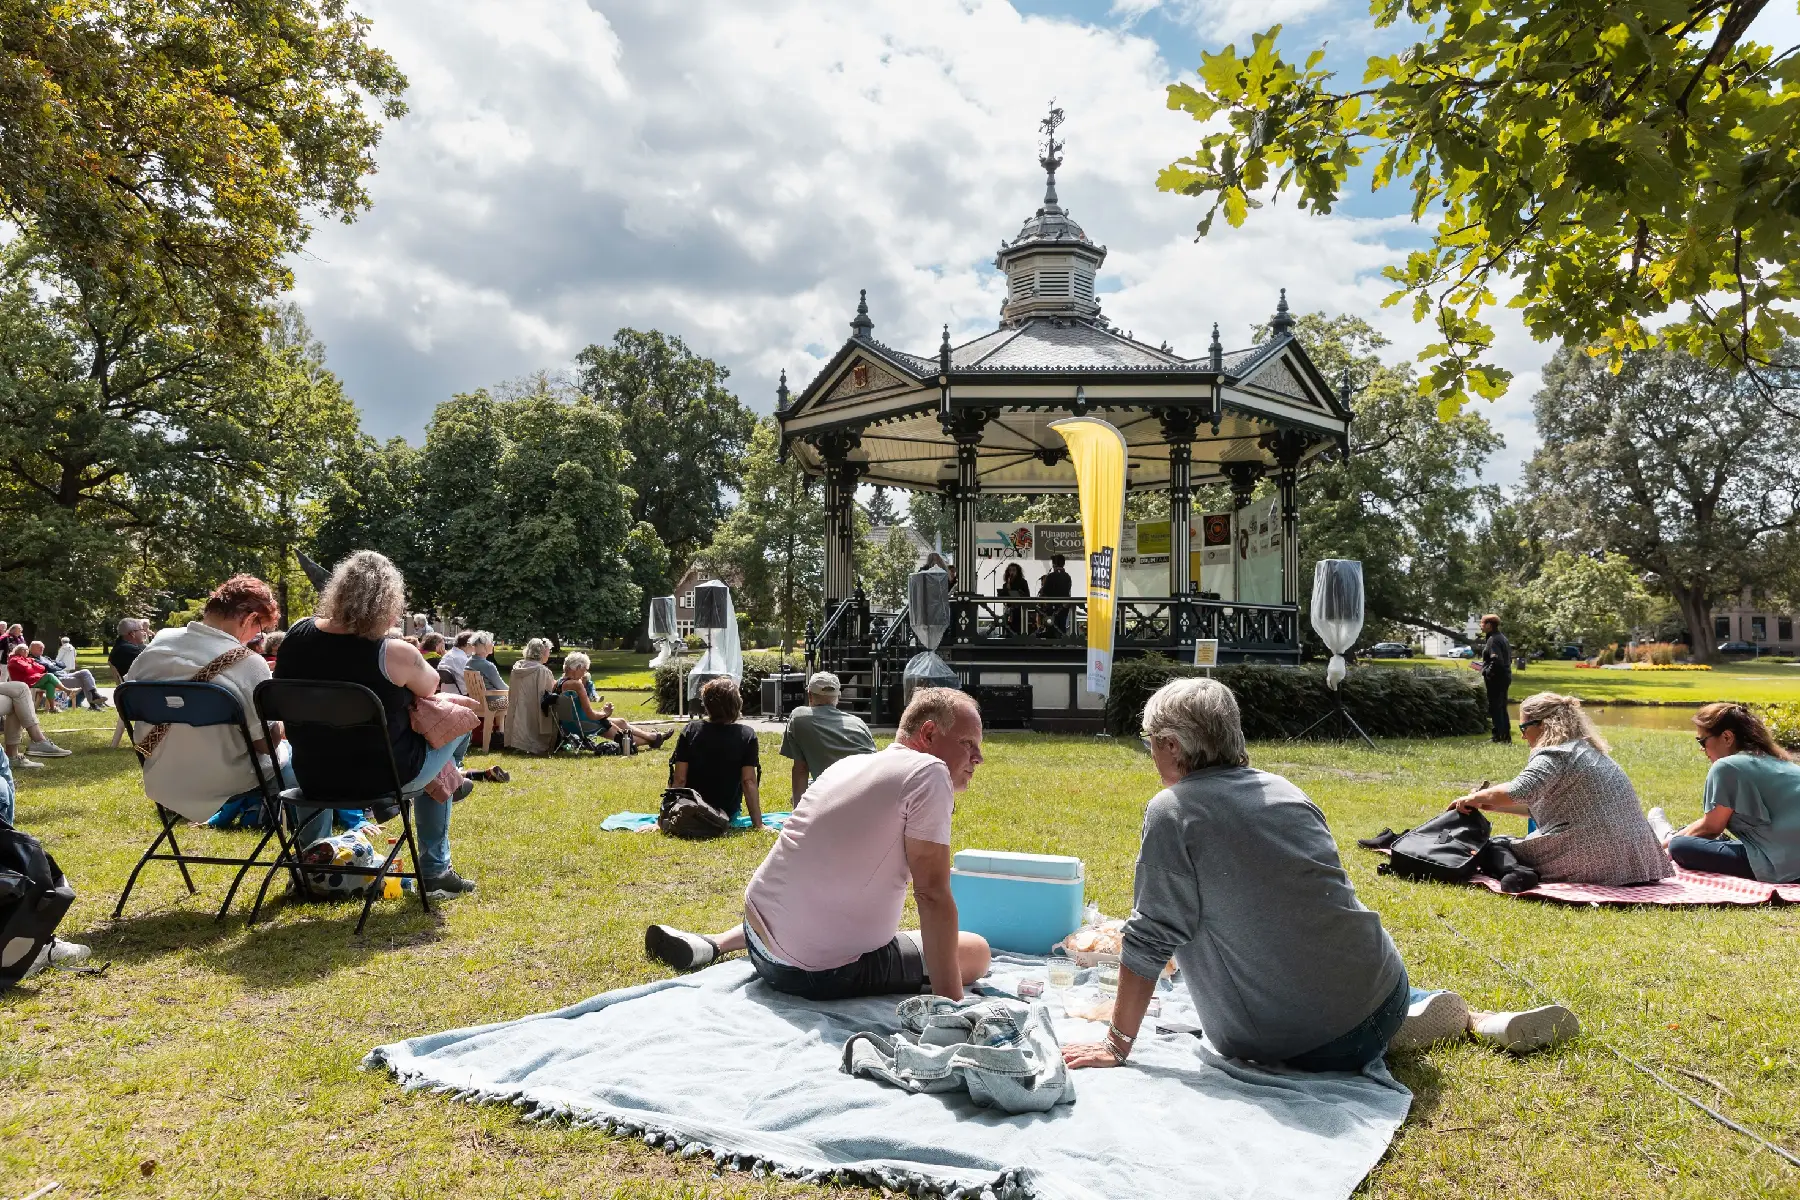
(633, 822)
(718, 1064)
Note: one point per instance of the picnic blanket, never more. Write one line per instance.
(718, 1064)
(1684, 887)
(636, 822)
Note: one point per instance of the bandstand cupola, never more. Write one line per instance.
(1050, 266)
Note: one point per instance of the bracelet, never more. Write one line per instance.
(1114, 1036)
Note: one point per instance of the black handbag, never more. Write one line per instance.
(1446, 848)
(34, 897)
(685, 815)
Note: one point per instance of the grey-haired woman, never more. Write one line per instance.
(1590, 826)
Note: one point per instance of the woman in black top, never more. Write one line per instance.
(717, 757)
(346, 640)
(1012, 583)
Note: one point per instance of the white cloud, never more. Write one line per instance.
(735, 173)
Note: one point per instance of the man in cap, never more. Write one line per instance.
(819, 733)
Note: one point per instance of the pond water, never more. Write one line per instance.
(1636, 716)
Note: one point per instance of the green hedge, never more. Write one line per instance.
(757, 663)
(1279, 702)
(1783, 721)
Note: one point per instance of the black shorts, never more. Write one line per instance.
(894, 969)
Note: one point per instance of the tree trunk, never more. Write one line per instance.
(1696, 613)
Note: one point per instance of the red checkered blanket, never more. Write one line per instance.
(1685, 887)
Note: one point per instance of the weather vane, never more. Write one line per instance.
(1052, 149)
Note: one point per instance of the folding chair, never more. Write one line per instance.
(575, 732)
(183, 702)
(348, 715)
(119, 729)
(475, 687)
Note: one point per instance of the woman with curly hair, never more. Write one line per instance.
(1752, 792)
(1590, 826)
(346, 639)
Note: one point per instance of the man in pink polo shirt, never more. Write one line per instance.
(822, 913)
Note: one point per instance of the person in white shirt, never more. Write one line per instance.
(195, 771)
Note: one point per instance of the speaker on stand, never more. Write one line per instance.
(1337, 617)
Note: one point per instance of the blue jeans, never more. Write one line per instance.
(431, 819)
(6, 790)
(1368, 1041)
(1719, 856)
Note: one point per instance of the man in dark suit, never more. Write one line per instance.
(1495, 665)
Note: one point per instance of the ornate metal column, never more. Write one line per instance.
(1178, 426)
(840, 525)
(966, 427)
(1288, 446)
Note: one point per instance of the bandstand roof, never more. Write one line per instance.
(1054, 356)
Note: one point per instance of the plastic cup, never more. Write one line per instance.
(1062, 971)
(1106, 976)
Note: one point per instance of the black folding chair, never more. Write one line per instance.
(183, 702)
(574, 732)
(347, 717)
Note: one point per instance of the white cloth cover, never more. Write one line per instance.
(663, 630)
(1337, 610)
(723, 655)
(928, 605)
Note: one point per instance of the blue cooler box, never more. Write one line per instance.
(1025, 903)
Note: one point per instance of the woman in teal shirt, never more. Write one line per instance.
(1753, 792)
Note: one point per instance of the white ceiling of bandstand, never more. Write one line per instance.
(904, 445)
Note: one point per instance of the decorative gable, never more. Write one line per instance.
(1279, 377)
(863, 377)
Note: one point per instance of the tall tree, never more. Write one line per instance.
(1405, 501)
(186, 142)
(882, 510)
(308, 430)
(686, 434)
(1676, 465)
(1613, 162)
(884, 566)
(126, 435)
(772, 541)
(531, 521)
(372, 503)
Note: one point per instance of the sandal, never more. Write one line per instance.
(658, 738)
(491, 775)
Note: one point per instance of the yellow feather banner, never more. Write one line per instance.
(1097, 450)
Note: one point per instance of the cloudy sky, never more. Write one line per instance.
(735, 170)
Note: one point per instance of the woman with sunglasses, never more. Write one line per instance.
(1752, 792)
(1590, 827)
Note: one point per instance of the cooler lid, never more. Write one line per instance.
(1008, 862)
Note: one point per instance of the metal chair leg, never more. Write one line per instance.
(373, 889)
(169, 820)
(231, 892)
(119, 909)
(412, 847)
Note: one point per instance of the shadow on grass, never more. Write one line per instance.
(275, 952)
(1425, 1082)
(280, 955)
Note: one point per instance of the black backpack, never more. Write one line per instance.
(34, 897)
(1446, 848)
(685, 815)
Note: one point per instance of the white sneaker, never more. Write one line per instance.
(19, 761)
(1438, 1017)
(58, 953)
(47, 749)
(1524, 1032)
(1659, 821)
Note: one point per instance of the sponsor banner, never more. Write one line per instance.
(1097, 450)
(1052, 540)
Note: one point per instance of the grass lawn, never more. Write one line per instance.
(227, 1056)
(1745, 682)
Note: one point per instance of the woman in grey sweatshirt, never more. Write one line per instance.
(1239, 881)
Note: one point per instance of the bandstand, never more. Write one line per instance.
(973, 420)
